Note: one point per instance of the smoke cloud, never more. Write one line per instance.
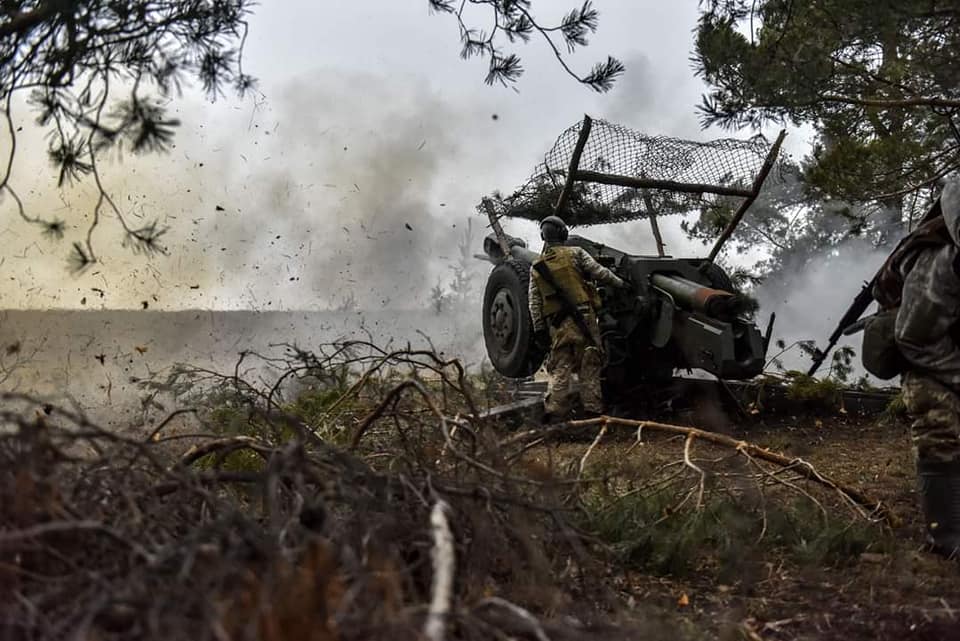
(814, 293)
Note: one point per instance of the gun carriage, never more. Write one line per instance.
(679, 313)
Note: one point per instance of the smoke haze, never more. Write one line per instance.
(324, 193)
(813, 295)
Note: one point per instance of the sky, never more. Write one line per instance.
(353, 172)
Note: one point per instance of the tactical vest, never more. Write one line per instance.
(560, 262)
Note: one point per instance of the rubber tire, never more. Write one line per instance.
(516, 357)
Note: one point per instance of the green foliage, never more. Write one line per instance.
(229, 415)
(788, 222)
(877, 80)
(536, 199)
(315, 407)
(841, 364)
(725, 533)
(228, 420)
(835, 544)
(100, 77)
(896, 408)
(514, 21)
(643, 534)
(825, 392)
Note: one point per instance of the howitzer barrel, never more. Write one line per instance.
(493, 247)
(697, 297)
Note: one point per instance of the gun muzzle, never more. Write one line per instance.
(716, 303)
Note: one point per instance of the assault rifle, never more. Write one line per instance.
(849, 321)
(859, 305)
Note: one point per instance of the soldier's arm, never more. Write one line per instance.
(535, 303)
(594, 270)
(928, 311)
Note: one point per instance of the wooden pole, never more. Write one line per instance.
(754, 192)
(574, 165)
(497, 228)
(668, 185)
(651, 212)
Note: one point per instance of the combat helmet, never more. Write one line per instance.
(553, 230)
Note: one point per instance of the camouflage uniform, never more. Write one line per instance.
(570, 351)
(925, 330)
(935, 410)
(926, 335)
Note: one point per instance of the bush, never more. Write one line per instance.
(825, 393)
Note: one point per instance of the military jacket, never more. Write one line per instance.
(927, 322)
(929, 315)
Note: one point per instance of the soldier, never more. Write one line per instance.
(926, 274)
(572, 351)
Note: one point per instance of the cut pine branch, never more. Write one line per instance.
(873, 508)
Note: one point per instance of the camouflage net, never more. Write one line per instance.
(618, 150)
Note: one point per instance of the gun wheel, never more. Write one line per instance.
(507, 328)
(503, 318)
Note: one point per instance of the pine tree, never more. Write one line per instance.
(101, 74)
(878, 80)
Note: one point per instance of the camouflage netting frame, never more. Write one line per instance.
(686, 167)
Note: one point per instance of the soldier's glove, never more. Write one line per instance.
(541, 339)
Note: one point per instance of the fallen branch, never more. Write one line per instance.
(852, 494)
(223, 446)
(444, 564)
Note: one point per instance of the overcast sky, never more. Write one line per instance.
(357, 167)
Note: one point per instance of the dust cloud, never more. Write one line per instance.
(328, 214)
(314, 196)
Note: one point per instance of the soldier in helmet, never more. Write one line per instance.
(573, 335)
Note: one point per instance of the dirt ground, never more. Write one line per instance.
(905, 593)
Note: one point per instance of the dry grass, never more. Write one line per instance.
(316, 514)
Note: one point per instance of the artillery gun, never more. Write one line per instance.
(678, 313)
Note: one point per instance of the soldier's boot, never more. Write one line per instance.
(940, 499)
